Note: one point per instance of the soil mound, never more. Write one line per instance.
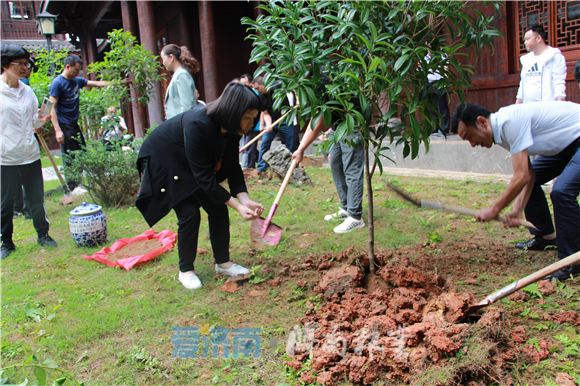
(408, 326)
(135, 249)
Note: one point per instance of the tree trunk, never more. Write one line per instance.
(371, 222)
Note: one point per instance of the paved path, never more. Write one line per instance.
(49, 174)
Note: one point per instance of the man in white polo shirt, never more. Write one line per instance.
(550, 130)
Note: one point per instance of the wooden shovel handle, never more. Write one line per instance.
(550, 269)
(264, 131)
(467, 211)
(526, 281)
(49, 155)
(285, 182)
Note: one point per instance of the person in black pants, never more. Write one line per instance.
(182, 163)
(20, 154)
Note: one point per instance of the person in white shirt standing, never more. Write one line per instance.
(20, 155)
(543, 76)
(550, 130)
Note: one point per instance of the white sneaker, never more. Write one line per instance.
(234, 270)
(349, 225)
(337, 216)
(190, 281)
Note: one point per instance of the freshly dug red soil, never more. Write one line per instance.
(135, 249)
(405, 321)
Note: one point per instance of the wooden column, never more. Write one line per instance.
(91, 52)
(147, 33)
(207, 36)
(130, 25)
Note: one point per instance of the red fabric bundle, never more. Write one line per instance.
(166, 237)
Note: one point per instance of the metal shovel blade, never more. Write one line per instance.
(271, 237)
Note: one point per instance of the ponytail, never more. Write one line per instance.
(184, 57)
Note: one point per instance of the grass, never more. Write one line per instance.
(46, 162)
(114, 327)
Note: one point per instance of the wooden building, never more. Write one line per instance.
(497, 76)
(213, 33)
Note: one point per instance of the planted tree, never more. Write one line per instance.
(128, 59)
(330, 53)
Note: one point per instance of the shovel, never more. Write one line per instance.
(519, 284)
(264, 131)
(264, 231)
(68, 198)
(449, 208)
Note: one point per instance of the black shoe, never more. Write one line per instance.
(565, 273)
(538, 243)
(15, 214)
(46, 241)
(7, 249)
(27, 216)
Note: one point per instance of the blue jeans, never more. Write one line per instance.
(565, 166)
(286, 134)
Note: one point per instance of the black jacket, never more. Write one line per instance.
(183, 154)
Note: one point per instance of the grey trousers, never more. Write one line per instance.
(347, 166)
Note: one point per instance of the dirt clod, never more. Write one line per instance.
(229, 286)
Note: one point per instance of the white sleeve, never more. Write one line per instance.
(519, 95)
(559, 76)
(36, 123)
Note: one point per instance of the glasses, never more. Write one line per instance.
(22, 65)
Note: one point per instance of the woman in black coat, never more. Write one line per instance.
(182, 163)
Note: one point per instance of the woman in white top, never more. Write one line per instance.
(180, 96)
(20, 154)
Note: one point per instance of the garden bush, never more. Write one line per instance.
(107, 172)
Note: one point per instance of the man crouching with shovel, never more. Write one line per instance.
(550, 130)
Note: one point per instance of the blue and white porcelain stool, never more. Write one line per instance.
(88, 225)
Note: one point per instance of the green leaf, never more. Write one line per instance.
(59, 381)
(402, 60)
(374, 64)
(50, 363)
(40, 375)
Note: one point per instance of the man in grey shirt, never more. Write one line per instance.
(550, 130)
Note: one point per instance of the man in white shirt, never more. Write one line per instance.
(543, 76)
(550, 130)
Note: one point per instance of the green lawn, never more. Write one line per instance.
(114, 327)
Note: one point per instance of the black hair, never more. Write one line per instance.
(577, 71)
(467, 113)
(230, 107)
(11, 52)
(536, 28)
(72, 60)
(247, 76)
(183, 56)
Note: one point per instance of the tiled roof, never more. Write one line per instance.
(31, 44)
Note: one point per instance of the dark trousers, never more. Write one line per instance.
(21, 204)
(286, 134)
(252, 151)
(189, 218)
(442, 107)
(31, 177)
(565, 166)
(73, 140)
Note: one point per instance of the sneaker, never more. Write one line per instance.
(191, 281)
(349, 225)
(46, 241)
(7, 249)
(341, 214)
(234, 270)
